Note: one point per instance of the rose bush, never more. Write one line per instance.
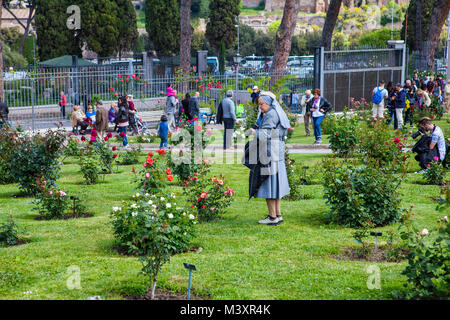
(343, 139)
(155, 174)
(435, 173)
(209, 196)
(50, 202)
(155, 228)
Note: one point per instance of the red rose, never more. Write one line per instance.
(168, 171)
(396, 140)
(122, 134)
(114, 148)
(203, 207)
(83, 138)
(170, 178)
(109, 135)
(114, 156)
(106, 138)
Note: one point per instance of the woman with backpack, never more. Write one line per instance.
(122, 120)
(379, 95)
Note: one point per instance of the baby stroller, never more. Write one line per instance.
(141, 126)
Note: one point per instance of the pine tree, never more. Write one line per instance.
(221, 24)
(128, 33)
(162, 22)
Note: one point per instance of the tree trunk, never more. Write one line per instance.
(418, 24)
(186, 35)
(1, 54)
(330, 23)
(25, 34)
(284, 40)
(438, 17)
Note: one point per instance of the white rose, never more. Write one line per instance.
(146, 194)
(170, 216)
(191, 216)
(115, 209)
(154, 206)
(162, 198)
(445, 219)
(173, 195)
(134, 206)
(168, 205)
(137, 194)
(134, 214)
(184, 213)
(150, 202)
(424, 232)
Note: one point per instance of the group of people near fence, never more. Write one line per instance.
(122, 115)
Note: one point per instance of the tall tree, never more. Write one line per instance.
(330, 23)
(418, 23)
(284, 39)
(221, 23)
(186, 35)
(128, 33)
(100, 24)
(26, 26)
(440, 13)
(54, 39)
(162, 22)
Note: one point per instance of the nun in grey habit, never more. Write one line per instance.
(272, 132)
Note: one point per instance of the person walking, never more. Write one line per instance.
(390, 103)
(319, 107)
(229, 120)
(132, 114)
(295, 99)
(305, 112)
(171, 108)
(194, 106)
(62, 104)
(122, 120)
(102, 118)
(185, 104)
(271, 135)
(4, 112)
(410, 92)
(86, 101)
(399, 100)
(255, 94)
(163, 132)
(379, 95)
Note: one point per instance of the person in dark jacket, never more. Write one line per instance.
(86, 100)
(122, 120)
(4, 111)
(131, 114)
(319, 107)
(399, 100)
(229, 120)
(185, 105)
(194, 107)
(255, 94)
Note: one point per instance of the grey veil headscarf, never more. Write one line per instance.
(271, 100)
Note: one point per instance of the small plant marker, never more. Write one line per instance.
(104, 172)
(74, 198)
(190, 267)
(376, 235)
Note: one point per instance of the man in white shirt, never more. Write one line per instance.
(437, 141)
(379, 94)
(306, 115)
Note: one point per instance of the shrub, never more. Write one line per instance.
(73, 148)
(191, 135)
(155, 174)
(106, 155)
(298, 175)
(27, 157)
(435, 111)
(328, 123)
(155, 228)
(251, 115)
(428, 268)
(10, 234)
(51, 202)
(131, 156)
(435, 173)
(378, 148)
(210, 197)
(359, 194)
(90, 167)
(343, 139)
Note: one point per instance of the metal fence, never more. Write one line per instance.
(33, 96)
(347, 74)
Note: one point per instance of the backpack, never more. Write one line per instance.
(377, 97)
(219, 116)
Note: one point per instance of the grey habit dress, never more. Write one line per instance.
(273, 129)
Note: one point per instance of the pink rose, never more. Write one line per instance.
(147, 175)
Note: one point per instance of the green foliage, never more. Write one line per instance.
(131, 156)
(298, 176)
(200, 8)
(360, 194)
(428, 269)
(304, 44)
(73, 148)
(128, 33)
(435, 173)
(273, 26)
(221, 24)
(50, 202)
(10, 36)
(106, 155)
(377, 38)
(183, 167)
(359, 236)
(155, 228)
(342, 134)
(435, 111)
(251, 115)
(162, 22)
(90, 167)
(12, 58)
(427, 10)
(399, 14)
(28, 157)
(10, 234)
(210, 197)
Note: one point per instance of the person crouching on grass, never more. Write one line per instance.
(163, 132)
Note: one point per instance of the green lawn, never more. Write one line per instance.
(240, 259)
